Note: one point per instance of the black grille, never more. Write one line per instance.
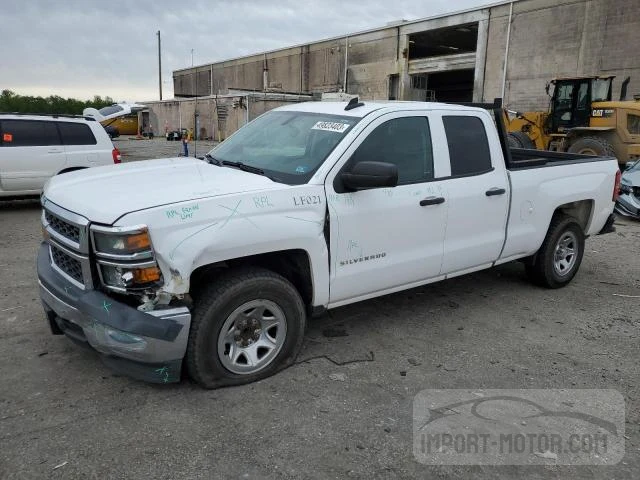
(63, 228)
(67, 264)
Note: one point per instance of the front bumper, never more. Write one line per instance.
(148, 346)
(628, 205)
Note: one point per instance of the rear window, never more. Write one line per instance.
(468, 145)
(76, 134)
(28, 133)
(110, 110)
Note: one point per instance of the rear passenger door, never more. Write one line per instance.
(478, 193)
(30, 153)
(81, 145)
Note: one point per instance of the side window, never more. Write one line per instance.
(405, 142)
(468, 145)
(633, 124)
(29, 133)
(76, 134)
(583, 96)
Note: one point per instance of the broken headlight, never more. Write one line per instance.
(125, 258)
(625, 188)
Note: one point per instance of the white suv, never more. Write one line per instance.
(33, 148)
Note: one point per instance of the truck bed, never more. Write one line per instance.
(522, 158)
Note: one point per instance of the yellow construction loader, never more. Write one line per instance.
(582, 118)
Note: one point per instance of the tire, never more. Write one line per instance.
(520, 140)
(592, 146)
(555, 271)
(233, 304)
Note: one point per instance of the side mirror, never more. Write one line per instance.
(365, 175)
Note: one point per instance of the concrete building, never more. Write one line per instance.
(212, 116)
(508, 49)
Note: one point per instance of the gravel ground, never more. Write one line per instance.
(344, 410)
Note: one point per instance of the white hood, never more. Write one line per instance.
(104, 194)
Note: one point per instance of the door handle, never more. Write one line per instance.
(495, 191)
(55, 151)
(431, 201)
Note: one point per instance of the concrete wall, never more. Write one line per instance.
(217, 117)
(570, 38)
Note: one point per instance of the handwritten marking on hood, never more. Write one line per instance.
(184, 213)
(172, 253)
(235, 213)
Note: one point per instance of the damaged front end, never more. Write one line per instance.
(102, 287)
(127, 265)
(628, 202)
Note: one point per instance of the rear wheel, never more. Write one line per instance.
(247, 325)
(592, 146)
(559, 258)
(520, 140)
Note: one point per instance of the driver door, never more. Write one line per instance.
(386, 239)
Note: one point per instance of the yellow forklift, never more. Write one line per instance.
(582, 118)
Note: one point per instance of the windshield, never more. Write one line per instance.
(288, 146)
(600, 90)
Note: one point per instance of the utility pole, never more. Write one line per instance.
(195, 112)
(195, 120)
(159, 67)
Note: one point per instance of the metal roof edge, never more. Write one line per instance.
(361, 32)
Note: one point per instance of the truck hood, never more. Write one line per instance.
(104, 194)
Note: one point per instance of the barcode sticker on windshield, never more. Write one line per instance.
(331, 126)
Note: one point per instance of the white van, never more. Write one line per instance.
(33, 148)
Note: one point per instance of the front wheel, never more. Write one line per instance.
(559, 258)
(247, 325)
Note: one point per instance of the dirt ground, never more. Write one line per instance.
(344, 410)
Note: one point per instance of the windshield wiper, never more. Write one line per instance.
(244, 167)
(213, 160)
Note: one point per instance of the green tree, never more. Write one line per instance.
(13, 102)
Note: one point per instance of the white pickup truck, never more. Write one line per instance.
(212, 266)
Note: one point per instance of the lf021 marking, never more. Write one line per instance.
(307, 200)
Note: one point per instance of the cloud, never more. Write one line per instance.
(83, 48)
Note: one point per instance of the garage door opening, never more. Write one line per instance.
(444, 41)
(454, 86)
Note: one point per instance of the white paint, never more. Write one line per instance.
(125, 109)
(381, 240)
(24, 170)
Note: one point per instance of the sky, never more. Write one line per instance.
(82, 48)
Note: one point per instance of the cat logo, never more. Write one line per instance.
(599, 112)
